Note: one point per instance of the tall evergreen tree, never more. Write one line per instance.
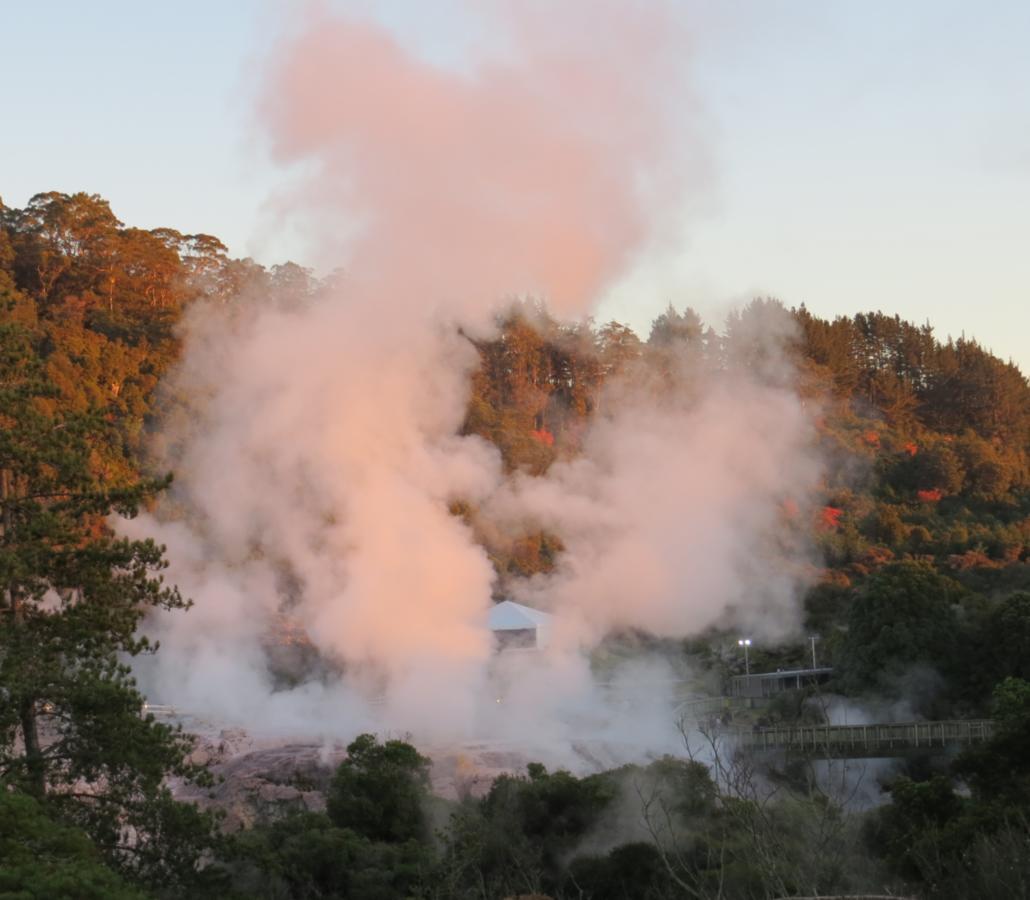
(73, 732)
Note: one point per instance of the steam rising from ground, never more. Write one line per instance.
(316, 474)
(670, 514)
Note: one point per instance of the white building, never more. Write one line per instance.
(518, 627)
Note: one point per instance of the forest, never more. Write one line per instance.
(921, 595)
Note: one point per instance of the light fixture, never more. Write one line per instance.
(745, 643)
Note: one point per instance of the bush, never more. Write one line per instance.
(380, 791)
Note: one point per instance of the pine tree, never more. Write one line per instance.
(73, 733)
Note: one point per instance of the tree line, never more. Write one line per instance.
(924, 529)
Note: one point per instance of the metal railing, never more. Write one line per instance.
(845, 741)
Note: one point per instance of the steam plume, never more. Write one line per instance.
(317, 474)
(526, 175)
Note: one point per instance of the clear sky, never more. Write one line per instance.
(865, 155)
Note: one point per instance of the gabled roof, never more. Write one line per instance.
(511, 616)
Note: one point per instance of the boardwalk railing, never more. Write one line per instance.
(850, 741)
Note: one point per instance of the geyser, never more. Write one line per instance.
(316, 475)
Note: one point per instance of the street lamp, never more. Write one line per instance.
(745, 643)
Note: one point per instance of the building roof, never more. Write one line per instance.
(511, 616)
(787, 673)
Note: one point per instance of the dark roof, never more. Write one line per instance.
(787, 673)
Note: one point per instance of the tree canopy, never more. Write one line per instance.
(922, 529)
(72, 596)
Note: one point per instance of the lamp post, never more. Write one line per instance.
(745, 643)
(813, 638)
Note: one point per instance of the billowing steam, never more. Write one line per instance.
(541, 172)
(670, 516)
(314, 479)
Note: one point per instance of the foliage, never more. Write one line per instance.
(306, 856)
(41, 859)
(905, 616)
(999, 772)
(380, 791)
(925, 530)
(373, 842)
(629, 872)
(72, 730)
(948, 843)
(516, 839)
(1006, 638)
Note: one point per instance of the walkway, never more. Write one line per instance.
(855, 741)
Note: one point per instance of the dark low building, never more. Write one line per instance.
(768, 684)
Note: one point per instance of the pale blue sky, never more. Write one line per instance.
(865, 155)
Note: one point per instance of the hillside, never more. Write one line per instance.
(913, 557)
(927, 442)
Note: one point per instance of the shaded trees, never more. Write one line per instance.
(970, 844)
(515, 840)
(72, 730)
(306, 856)
(373, 843)
(41, 859)
(905, 616)
(380, 790)
(929, 447)
(1006, 639)
(999, 772)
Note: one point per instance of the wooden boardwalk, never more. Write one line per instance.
(857, 741)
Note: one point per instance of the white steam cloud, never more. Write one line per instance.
(313, 479)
